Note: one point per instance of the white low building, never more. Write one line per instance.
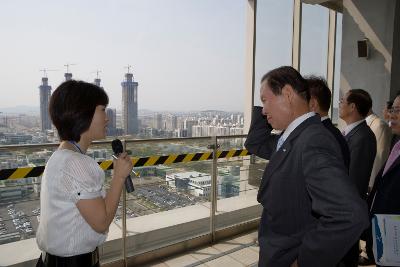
(197, 183)
(200, 186)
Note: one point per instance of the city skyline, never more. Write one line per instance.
(35, 110)
(28, 128)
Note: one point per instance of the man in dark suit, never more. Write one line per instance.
(311, 211)
(353, 109)
(320, 103)
(384, 197)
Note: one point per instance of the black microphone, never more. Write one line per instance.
(118, 148)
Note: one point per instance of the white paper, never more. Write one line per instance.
(386, 239)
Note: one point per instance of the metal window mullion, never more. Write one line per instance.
(330, 68)
(213, 193)
(124, 219)
(296, 35)
(250, 40)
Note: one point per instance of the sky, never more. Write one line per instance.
(185, 54)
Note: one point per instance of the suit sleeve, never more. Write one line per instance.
(342, 214)
(362, 156)
(259, 140)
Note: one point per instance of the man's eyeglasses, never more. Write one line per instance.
(394, 110)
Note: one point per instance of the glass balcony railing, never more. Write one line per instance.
(182, 193)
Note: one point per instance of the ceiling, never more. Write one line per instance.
(336, 5)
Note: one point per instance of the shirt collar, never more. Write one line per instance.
(324, 118)
(293, 125)
(352, 126)
(370, 118)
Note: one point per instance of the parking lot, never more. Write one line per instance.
(153, 198)
(165, 199)
(18, 221)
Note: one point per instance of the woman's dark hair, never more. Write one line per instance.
(279, 77)
(72, 106)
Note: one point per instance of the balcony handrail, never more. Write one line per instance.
(129, 140)
(26, 172)
(205, 154)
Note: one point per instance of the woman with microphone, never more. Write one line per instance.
(75, 209)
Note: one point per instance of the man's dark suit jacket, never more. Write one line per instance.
(362, 146)
(312, 211)
(385, 197)
(340, 139)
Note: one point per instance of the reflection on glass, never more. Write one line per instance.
(314, 40)
(274, 37)
(19, 198)
(338, 61)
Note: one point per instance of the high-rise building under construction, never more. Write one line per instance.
(45, 92)
(130, 120)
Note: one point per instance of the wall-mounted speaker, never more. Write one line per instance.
(362, 47)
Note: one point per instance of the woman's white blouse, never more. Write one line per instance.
(68, 177)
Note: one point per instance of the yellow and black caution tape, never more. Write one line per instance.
(25, 172)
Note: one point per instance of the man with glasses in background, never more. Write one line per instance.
(385, 197)
(383, 136)
(353, 109)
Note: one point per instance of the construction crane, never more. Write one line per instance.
(67, 65)
(45, 72)
(128, 67)
(97, 73)
(97, 80)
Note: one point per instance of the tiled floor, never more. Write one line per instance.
(237, 252)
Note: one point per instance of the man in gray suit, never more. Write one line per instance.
(312, 213)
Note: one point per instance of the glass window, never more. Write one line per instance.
(184, 55)
(314, 40)
(338, 61)
(273, 38)
(187, 58)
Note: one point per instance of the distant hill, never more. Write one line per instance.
(20, 110)
(30, 110)
(145, 112)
